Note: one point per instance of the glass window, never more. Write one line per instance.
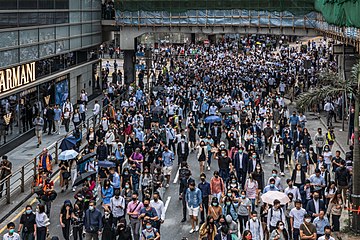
(29, 53)
(8, 20)
(46, 4)
(46, 18)
(75, 30)
(96, 4)
(9, 57)
(6, 4)
(62, 32)
(62, 4)
(96, 15)
(27, 4)
(86, 41)
(62, 46)
(74, 17)
(86, 16)
(47, 34)
(96, 27)
(8, 39)
(28, 19)
(86, 4)
(75, 43)
(47, 49)
(75, 4)
(96, 39)
(86, 28)
(29, 36)
(61, 17)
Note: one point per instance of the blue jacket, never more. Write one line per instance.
(193, 198)
(232, 210)
(92, 218)
(107, 194)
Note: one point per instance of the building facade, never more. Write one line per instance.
(48, 52)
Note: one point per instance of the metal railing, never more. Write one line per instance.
(24, 176)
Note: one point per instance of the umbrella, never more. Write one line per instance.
(86, 157)
(67, 155)
(68, 143)
(106, 164)
(212, 119)
(270, 196)
(226, 110)
(157, 109)
(80, 179)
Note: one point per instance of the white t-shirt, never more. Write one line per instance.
(298, 216)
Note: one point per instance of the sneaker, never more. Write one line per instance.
(183, 220)
(282, 174)
(262, 161)
(73, 189)
(196, 228)
(208, 168)
(191, 231)
(269, 155)
(167, 185)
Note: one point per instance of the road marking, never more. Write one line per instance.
(177, 175)
(23, 210)
(167, 204)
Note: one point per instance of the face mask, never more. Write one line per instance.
(28, 211)
(216, 176)
(274, 175)
(88, 179)
(272, 185)
(203, 179)
(258, 168)
(233, 181)
(146, 205)
(281, 227)
(127, 186)
(126, 173)
(254, 218)
(182, 140)
(242, 196)
(134, 199)
(327, 235)
(229, 194)
(107, 214)
(228, 203)
(240, 151)
(11, 231)
(91, 208)
(223, 154)
(148, 226)
(308, 220)
(215, 204)
(254, 156)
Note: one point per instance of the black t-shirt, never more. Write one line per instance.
(28, 221)
(224, 162)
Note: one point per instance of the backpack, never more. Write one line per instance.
(272, 211)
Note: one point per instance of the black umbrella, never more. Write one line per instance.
(80, 179)
(86, 157)
(226, 110)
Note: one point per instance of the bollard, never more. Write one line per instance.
(8, 190)
(22, 185)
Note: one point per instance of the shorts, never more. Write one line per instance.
(167, 170)
(38, 133)
(193, 211)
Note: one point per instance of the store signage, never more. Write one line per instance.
(15, 77)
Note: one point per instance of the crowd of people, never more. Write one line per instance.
(226, 107)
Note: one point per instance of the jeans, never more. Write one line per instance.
(296, 234)
(77, 232)
(27, 236)
(242, 222)
(91, 236)
(205, 203)
(224, 174)
(41, 233)
(66, 230)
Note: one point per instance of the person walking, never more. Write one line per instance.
(39, 125)
(204, 187)
(133, 210)
(193, 199)
(11, 234)
(66, 214)
(5, 171)
(57, 119)
(27, 226)
(42, 222)
(92, 222)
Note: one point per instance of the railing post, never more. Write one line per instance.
(8, 190)
(22, 185)
(56, 151)
(34, 166)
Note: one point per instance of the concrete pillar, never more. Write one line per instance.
(129, 66)
(193, 37)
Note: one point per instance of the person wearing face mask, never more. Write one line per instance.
(27, 226)
(223, 234)
(92, 222)
(244, 209)
(208, 230)
(193, 198)
(225, 165)
(230, 207)
(307, 229)
(133, 210)
(108, 224)
(258, 145)
(182, 150)
(11, 234)
(314, 206)
(296, 218)
(215, 209)
(279, 232)
(327, 155)
(271, 186)
(255, 227)
(275, 214)
(66, 213)
(202, 155)
(330, 137)
(292, 189)
(327, 234)
(217, 186)
(149, 232)
(275, 176)
(204, 187)
(232, 225)
(117, 207)
(159, 206)
(241, 162)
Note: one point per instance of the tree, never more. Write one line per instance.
(331, 85)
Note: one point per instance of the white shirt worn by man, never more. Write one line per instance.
(117, 206)
(159, 207)
(96, 109)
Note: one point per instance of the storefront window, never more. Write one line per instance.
(29, 53)
(47, 49)
(29, 36)
(61, 90)
(8, 39)
(62, 46)
(47, 34)
(9, 57)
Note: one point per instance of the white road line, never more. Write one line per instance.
(167, 204)
(177, 176)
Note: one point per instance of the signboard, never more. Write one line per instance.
(15, 77)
